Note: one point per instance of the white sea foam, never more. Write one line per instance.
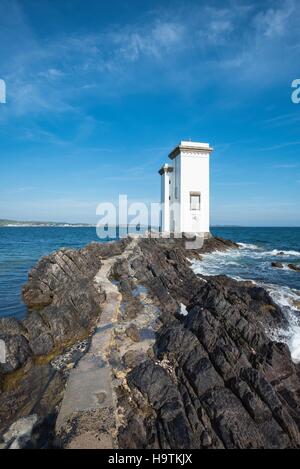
(217, 263)
(242, 279)
(294, 345)
(277, 252)
(248, 246)
(282, 295)
(287, 299)
(260, 253)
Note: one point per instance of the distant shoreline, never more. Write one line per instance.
(46, 226)
(82, 225)
(22, 223)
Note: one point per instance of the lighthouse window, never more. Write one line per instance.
(194, 201)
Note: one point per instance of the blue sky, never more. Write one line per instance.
(98, 92)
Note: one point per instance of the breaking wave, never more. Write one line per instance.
(276, 252)
(251, 262)
(247, 246)
(289, 302)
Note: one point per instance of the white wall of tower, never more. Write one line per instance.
(189, 177)
(194, 176)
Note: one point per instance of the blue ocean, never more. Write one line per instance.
(22, 247)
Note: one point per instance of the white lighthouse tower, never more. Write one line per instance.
(185, 189)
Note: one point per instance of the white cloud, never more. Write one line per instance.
(274, 22)
(184, 48)
(282, 120)
(52, 73)
(286, 166)
(280, 145)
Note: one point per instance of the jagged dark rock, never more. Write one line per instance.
(212, 379)
(294, 267)
(63, 306)
(277, 265)
(62, 302)
(227, 384)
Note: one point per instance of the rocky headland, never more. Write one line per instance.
(124, 346)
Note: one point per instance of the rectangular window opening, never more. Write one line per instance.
(195, 200)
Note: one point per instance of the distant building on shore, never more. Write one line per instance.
(185, 189)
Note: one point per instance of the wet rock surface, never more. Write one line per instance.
(277, 265)
(215, 380)
(211, 378)
(294, 267)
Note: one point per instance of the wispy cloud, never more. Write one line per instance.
(286, 166)
(282, 120)
(274, 21)
(52, 74)
(280, 145)
(17, 191)
(236, 42)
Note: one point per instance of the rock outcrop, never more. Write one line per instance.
(63, 304)
(216, 379)
(277, 265)
(294, 267)
(190, 360)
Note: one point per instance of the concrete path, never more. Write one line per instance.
(89, 401)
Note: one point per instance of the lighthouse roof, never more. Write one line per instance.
(190, 146)
(165, 169)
